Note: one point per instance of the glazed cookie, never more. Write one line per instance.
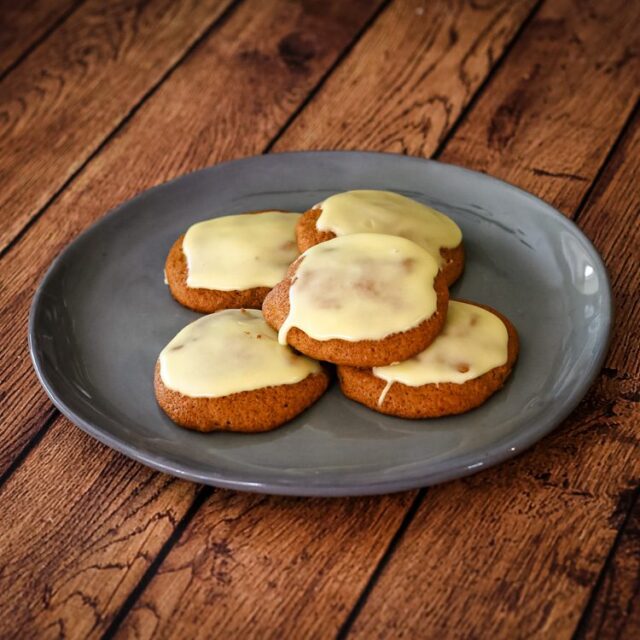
(364, 299)
(227, 372)
(466, 364)
(369, 211)
(231, 262)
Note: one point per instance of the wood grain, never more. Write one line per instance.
(23, 23)
(611, 220)
(114, 176)
(264, 567)
(407, 81)
(91, 521)
(558, 107)
(85, 524)
(62, 101)
(517, 549)
(124, 167)
(615, 611)
(202, 122)
(523, 128)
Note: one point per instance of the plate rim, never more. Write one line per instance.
(501, 451)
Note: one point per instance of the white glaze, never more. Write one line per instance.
(229, 352)
(361, 287)
(371, 211)
(473, 341)
(240, 252)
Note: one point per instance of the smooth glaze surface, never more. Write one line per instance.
(363, 286)
(472, 342)
(386, 212)
(227, 352)
(523, 258)
(240, 252)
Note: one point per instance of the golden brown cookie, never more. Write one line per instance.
(308, 235)
(393, 347)
(248, 411)
(430, 400)
(208, 300)
(227, 372)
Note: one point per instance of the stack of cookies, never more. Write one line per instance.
(360, 281)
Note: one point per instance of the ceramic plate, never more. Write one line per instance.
(103, 313)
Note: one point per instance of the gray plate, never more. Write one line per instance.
(102, 314)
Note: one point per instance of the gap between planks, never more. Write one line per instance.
(635, 112)
(338, 61)
(203, 494)
(351, 617)
(59, 21)
(585, 618)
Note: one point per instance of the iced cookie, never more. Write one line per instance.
(231, 262)
(465, 365)
(362, 299)
(227, 372)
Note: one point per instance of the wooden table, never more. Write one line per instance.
(100, 100)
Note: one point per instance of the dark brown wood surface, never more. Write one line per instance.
(75, 89)
(23, 25)
(103, 100)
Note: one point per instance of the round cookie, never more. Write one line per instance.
(365, 211)
(362, 300)
(471, 360)
(231, 262)
(227, 372)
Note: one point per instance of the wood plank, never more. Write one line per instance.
(405, 85)
(85, 201)
(545, 122)
(80, 540)
(552, 85)
(274, 567)
(203, 123)
(615, 611)
(536, 135)
(517, 549)
(516, 139)
(22, 24)
(63, 100)
(86, 521)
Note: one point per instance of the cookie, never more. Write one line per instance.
(461, 370)
(369, 211)
(227, 372)
(231, 262)
(363, 299)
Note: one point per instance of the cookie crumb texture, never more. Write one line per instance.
(248, 411)
(429, 400)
